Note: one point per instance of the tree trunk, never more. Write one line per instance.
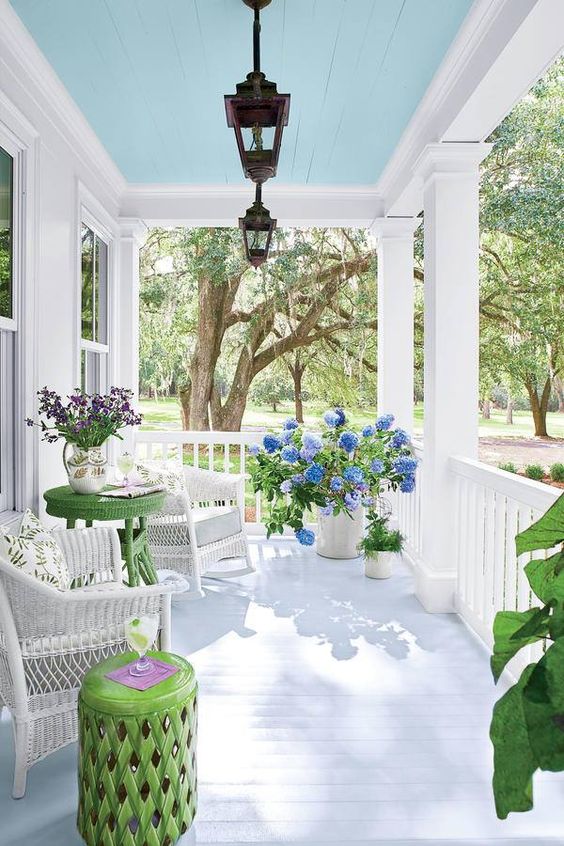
(509, 410)
(486, 410)
(275, 406)
(212, 297)
(539, 407)
(297, 370)
(558, 384)
(184, 392)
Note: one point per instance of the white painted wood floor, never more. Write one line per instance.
(334, 710)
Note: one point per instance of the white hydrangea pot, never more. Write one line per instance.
(338, 536)
(380, 565)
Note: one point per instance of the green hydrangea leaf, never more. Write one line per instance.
(546, 577)
(513, 630)
(547, 532)
(544, 709)
(514, 759)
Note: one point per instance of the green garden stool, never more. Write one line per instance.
(137, 783)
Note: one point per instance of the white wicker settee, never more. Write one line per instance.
(50, 638)
(201, 531)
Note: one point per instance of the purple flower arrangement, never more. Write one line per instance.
(86, 420)
(336, 471)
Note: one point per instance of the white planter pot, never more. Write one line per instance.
(338, 536)
(379, 566)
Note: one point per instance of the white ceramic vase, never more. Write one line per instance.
(87, 469)
(338, 536)
(380, 565)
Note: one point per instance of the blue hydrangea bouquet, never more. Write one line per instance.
(337, 471)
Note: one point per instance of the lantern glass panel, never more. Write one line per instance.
(257, 139)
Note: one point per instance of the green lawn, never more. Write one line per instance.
(165, 414)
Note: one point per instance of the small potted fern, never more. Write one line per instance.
(379, 546)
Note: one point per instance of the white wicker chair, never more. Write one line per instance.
(201, 528)
(50, 638)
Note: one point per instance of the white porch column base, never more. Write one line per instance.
(132, 236)
(395, 317)
(434, 589)
(450, 174)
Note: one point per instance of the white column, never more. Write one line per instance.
(395, 317)
(132, 236)
(450, 175)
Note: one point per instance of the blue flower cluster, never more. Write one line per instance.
(254, 449)
(405, 464)
(352, 500)
(290, 454)
(291, 423)
(407, 484)
(376, 466)
(354, 475)
(348, 441)
(336, 484)
(368, 431)
(286, 435)
(314, 473)
(399, 438)
(327, 510)
(335, 417)
(384, 422)
(305, 537)
(286, 486)
(271, 443)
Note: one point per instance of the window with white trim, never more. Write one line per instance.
(94, 347)
(8, 327)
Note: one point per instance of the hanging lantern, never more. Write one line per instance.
(257, 227)
(257, 113)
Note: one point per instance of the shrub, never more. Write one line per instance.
(534, 471)
(509, 467)
(557, 472)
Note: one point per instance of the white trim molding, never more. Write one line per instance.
(290, 205)
(450, 157)
(395, 228)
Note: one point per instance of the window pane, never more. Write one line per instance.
(87, 310)
(6, 233)
(101, 292)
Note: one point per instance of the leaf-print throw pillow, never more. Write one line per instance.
(35, 551)
(154, 474)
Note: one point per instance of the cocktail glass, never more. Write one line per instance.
(141, 633)
(125, 464)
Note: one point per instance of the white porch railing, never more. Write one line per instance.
(492, 506)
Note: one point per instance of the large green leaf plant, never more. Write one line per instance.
(527, 728)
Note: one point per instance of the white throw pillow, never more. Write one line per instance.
(153, 473)
(35, 551)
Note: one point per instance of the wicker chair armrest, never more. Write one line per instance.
(211, 486)
(117, 592)
(91, 551)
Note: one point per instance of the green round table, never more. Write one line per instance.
(137, 781)
(64, 502)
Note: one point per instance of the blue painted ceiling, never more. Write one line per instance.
(149, 75)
